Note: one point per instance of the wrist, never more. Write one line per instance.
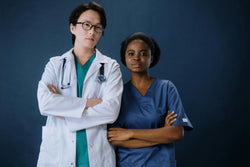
(132, 134)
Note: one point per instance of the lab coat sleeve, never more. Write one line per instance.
(105, 112)
(56, 104)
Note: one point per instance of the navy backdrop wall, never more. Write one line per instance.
(204, 52)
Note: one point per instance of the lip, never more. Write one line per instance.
(91, 39)
(136, 65)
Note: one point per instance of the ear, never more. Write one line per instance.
(72, 28)
(152, 59)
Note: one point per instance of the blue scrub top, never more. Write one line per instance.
(149, 112)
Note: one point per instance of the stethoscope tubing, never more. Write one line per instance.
(101, 77)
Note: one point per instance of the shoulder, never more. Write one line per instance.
(128, 84)
(127, 89)
(164, 82)
(165, 85)
(56, 60)
(106, 59)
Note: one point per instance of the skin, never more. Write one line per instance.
(84, 46)
(138, 58)
(86, 41)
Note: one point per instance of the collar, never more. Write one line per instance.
(100, 58)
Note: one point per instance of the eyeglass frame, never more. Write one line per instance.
(82, 23)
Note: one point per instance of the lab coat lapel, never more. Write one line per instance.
(71, 62)
(96, 64)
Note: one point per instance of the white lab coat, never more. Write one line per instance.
(58, 147)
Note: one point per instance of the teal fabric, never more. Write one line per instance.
(82, 158)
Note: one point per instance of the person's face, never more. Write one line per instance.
(138, 56)
(87, 38)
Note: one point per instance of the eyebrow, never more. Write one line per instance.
(131, 50)
(90, 22)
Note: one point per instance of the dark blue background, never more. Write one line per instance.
(205, 54)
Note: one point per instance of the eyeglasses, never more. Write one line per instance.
(88, 26)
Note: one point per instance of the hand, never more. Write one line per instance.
(170, 118)
(52, 89)
(119, 134)
(92, 102)
(61, 117)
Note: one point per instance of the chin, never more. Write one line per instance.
(89, 46)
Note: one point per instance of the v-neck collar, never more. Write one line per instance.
(147, 92)
(87, 63)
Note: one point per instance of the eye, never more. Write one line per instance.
(99, 27)
(130, 53)
(86, 24)
(144, 53)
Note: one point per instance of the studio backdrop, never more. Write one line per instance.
(203, 52)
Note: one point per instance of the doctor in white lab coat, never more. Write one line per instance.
(100, 102)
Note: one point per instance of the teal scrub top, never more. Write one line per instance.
(82, 158)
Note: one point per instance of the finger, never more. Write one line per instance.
(172, 121)
(109, 135)
(172, 117)
(51, 88)
(116, 128)
(112, 133)
(54, 88)
(169, 114)
(61, 117)
(112, 129)
(172, 113)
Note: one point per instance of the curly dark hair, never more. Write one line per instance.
(154, 47)
(76, 13)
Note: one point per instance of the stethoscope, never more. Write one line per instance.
(64, 85)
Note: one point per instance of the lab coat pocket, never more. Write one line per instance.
(49, 154)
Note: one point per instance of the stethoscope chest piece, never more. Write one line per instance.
(101, 77)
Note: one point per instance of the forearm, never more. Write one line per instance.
(159, 135)
(103, 113)
(133, 143)
(58, 105)
(107, 111)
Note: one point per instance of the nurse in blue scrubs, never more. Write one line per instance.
(142, 134)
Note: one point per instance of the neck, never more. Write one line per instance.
(140, 80)
(83, 54)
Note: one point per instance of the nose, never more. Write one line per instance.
(92, 30)
(137, 56)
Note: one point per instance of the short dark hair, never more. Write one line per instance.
(76, 13)
(154, 47)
